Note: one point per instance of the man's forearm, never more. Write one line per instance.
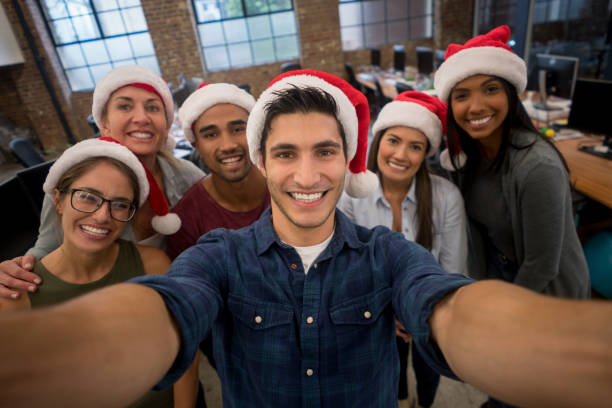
(103, 349)
(527, 349)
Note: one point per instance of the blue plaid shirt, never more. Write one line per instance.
(283, 338)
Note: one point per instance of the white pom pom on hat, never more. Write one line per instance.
(486, 54)
(207, 96)
(415, 110)
(353, 115)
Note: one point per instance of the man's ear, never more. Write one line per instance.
(261, 166)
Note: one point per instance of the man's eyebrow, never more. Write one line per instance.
(283, 146)
(237, 122)
(207, 128)
(328, 143)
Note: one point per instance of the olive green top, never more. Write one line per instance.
(54, 290)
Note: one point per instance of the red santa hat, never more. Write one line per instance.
(207, 96)
(486, 54)
(415, 110)
(163, 222)
(134, 75)
(353, 115)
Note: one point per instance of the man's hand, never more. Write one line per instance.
(401, 332)
(15, 277)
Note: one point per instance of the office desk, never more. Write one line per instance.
(590, 175)
(387, 82)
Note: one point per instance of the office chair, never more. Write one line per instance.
(425, 60)
(20, 223)
(24, 152)
(402, 87)
(375, 57)
(438, 58)
(352, 79)
(399, 58)
(381, 99)
(245, 87)
(32, 180)
(290, 66)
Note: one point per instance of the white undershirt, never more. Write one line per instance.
(309, 253)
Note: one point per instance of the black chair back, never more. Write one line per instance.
(25, 153)
(399, 58)
(245, 87)
(375, 57)
(290, 66)
(32, 180)
(402, 87)
(439, 58)
(20, 223)
(425, 63)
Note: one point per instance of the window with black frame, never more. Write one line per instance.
(92, 37)
(371, 23)
(240, 33)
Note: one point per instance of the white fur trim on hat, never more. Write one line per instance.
(96, 148)
(486, 60)
(360, 185)
(412, 115)
(346, 112)
(446, 163)
(125, 75)
(208, 96)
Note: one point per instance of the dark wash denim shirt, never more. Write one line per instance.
(283, 338)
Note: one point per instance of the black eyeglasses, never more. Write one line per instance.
(88, 202)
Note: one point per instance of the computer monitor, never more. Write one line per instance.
(399, 58)
(589, 113)
(553, 75)
(425, 60)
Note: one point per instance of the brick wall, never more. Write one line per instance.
(26, 101)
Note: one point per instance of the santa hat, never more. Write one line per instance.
(486, 54)
(163, 222)
(353, 115)
(416, 110)
(134, 75)
(207, 96)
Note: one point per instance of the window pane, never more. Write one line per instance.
(79, 79)
(95, 52)
(55, 9)
(207, 10)
(286, 48)
(216, 58)
(78, 7)
(373, 11)
(86, 27)
(235, 30)
(119, 48)
(259, 27)
(256, 7)
(397, 9)
(149, 62)
(263, 51)
(420, 7)
(211, 34)
(98, 71)
(129, 3)
(129, 61)
(63, 32)
(283, 23)
(352, 38)
(398, 31)
(375, 34)
(104, 5)
(420, 28)
(350, 14)
(240, 54)
(279, 5)
(134, 20)
(111, 23)
(71, 56)
(142, 44)
(231, 8)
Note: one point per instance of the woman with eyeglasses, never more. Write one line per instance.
(96, 187)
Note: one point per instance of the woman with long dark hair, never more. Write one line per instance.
(514, 181)
(426, 208)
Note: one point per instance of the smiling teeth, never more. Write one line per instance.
(307, 198)
(140, 135)
(230, 160)
(94, 231)
(480, 121)
(395, 166)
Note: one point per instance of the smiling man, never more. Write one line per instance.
(302, 303)
(234, 194)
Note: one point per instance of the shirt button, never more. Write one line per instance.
(293, 266)
(258, 319)
(310, 320)
(367, 314)
(309, 372)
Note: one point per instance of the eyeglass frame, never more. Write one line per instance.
(104, 200)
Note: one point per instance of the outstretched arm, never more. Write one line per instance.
(121, 338)
(524, 348)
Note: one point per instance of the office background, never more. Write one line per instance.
(68, 44)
